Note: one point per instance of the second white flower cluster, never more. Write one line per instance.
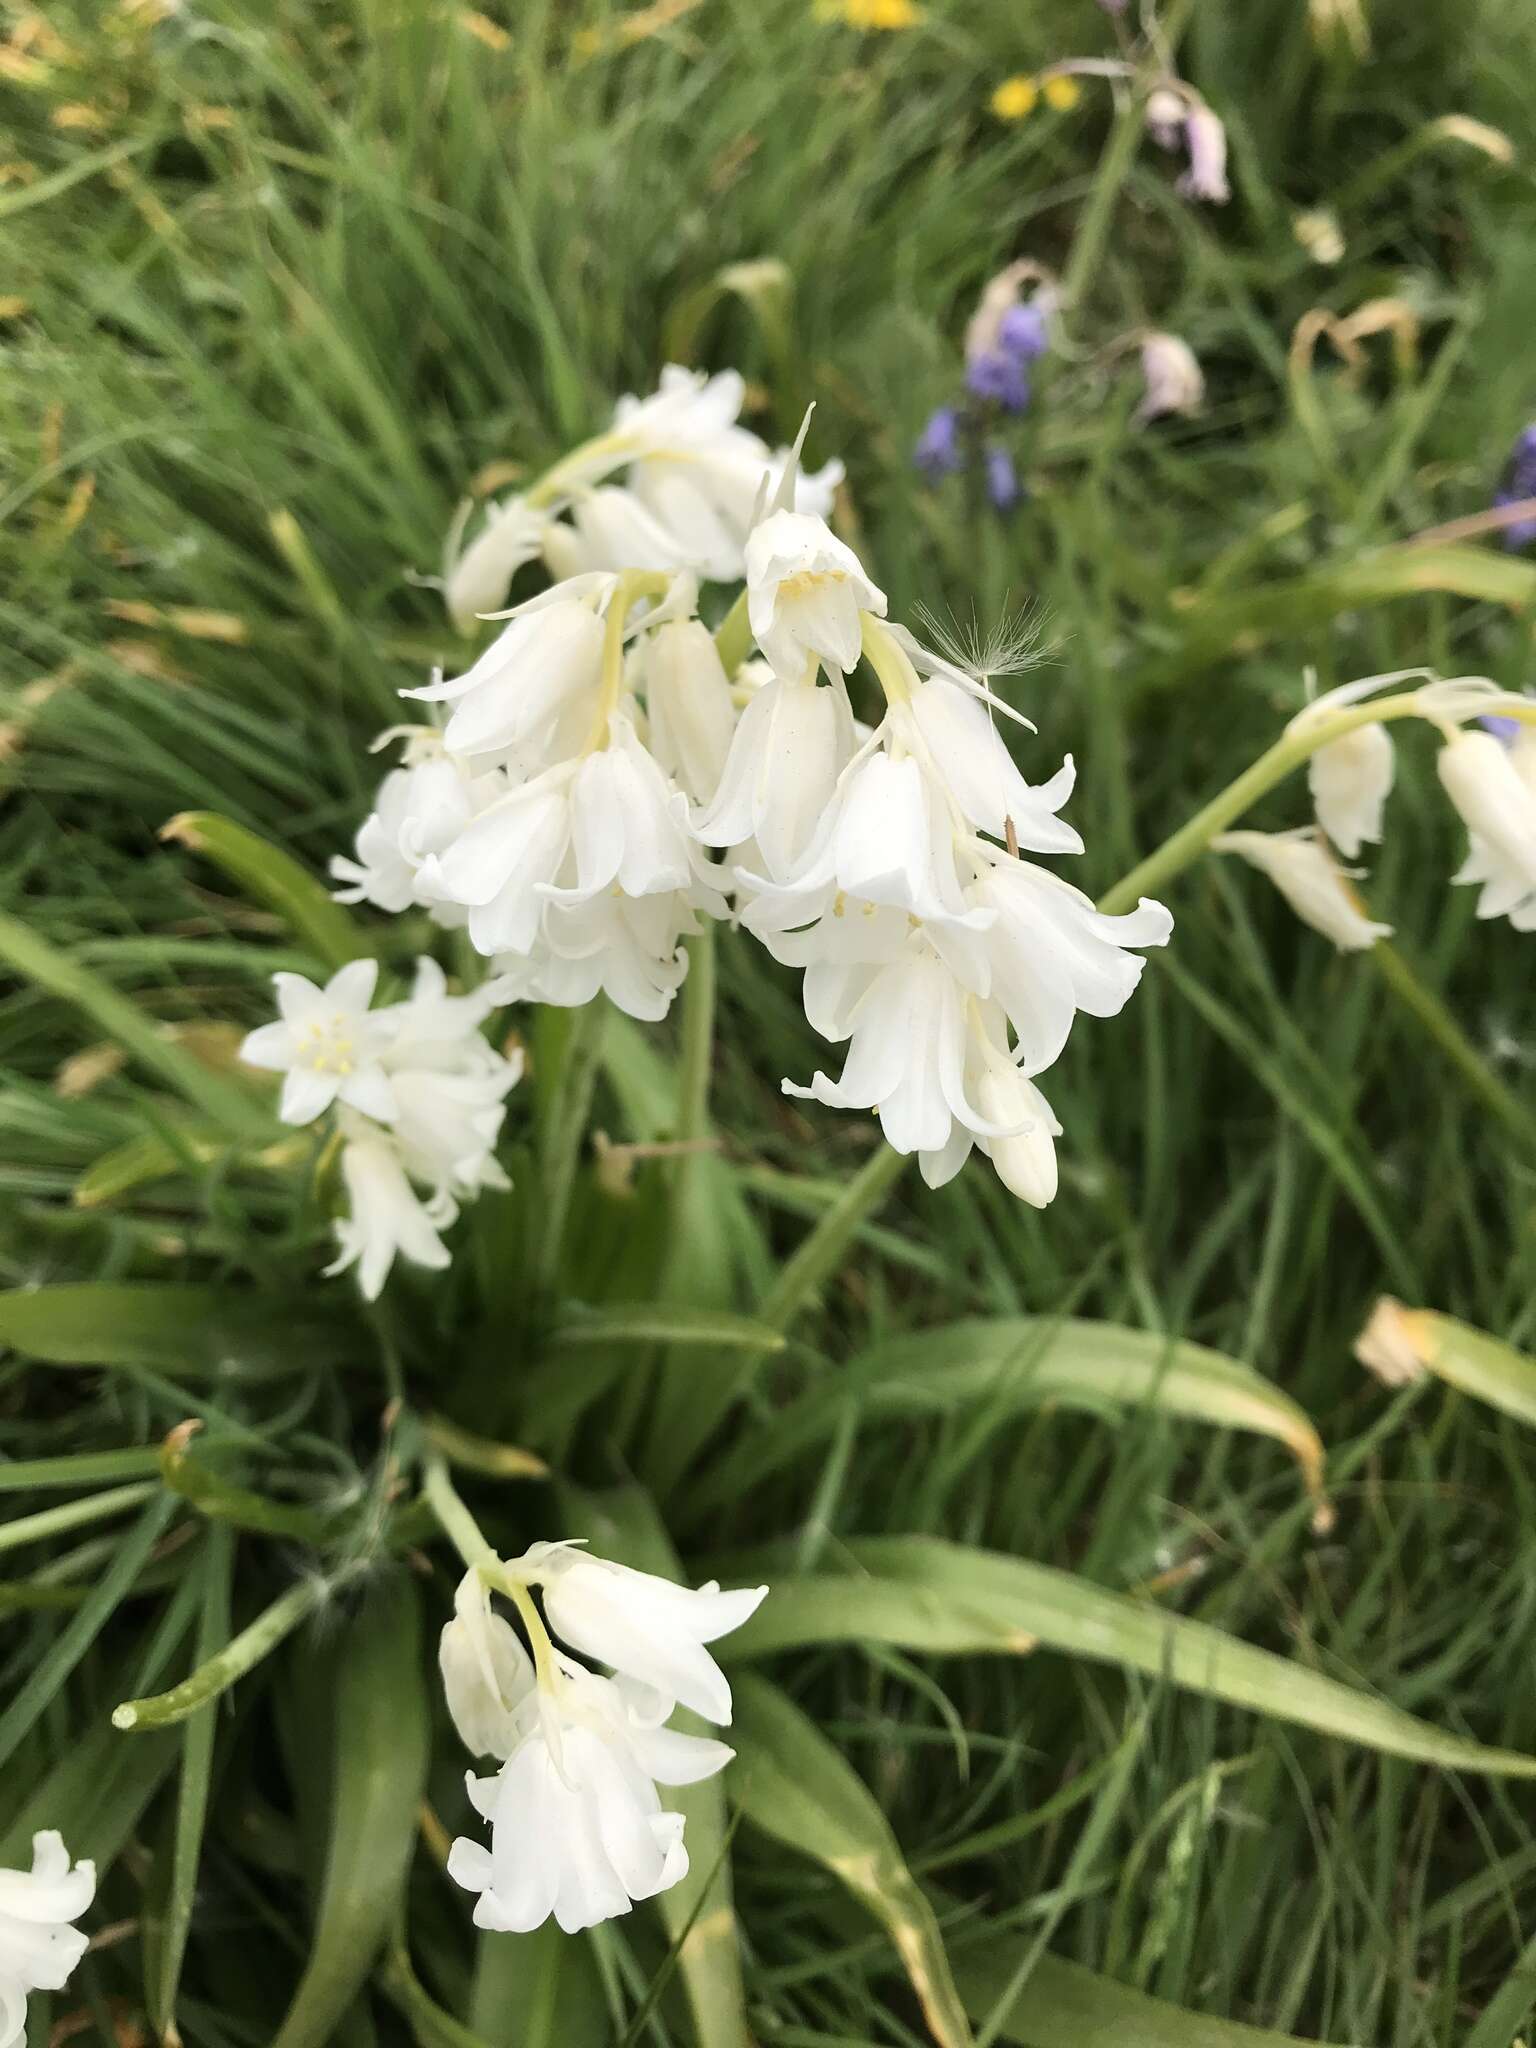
(578, 1830)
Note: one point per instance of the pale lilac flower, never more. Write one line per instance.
(1023, 332)
(1519, 484)
(999, 377)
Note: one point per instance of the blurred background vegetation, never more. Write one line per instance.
(279, 283)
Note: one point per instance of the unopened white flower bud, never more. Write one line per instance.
(688, 697)
(1311, 881)
(1350, 780)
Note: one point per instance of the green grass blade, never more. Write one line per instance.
(1401, 1342)
(167, 1955)
(921, 1593)
(790, 1781)
(380, 1735)
(182, 1331)
(269, 876)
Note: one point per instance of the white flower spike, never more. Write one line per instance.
(39, 1944)
(1311, 881)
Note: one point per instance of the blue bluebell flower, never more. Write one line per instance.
(938, 451)
(1002, 478)
(997, 375)
(1022, 332)
(1519, 484)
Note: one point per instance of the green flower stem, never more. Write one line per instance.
(1289, 752)
(454, 1519)
(564, 1129)
(242, 1654)
(698, 1048)
(78, 1468)
(73, 1514)
(1426, 1007)
(818, 1255)
(733, 636)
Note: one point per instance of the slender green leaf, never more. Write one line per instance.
(666, 1323)
(790, 1781)
(164, 1957)
(83, 1626)
(538, 1990)
(921, 1593)
(180, 1331)
(269, 876)
(36, 961)
(379, 1736)
(1062, 2005)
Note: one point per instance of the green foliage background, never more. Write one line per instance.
(279, 280)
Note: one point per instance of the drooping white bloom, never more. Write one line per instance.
(613, 528)
(1350, 780)
(1171, 373)
(1052, 954)
(522, 692)
(386, 1219)
(791, 743)
(699, 473)
(327, 1044)
(1311, 881)
(476, 578)
(39, 1945)
(419, 809)
(1493, 786)
(688, 701)
(577, 1828)
(649, 1629)
(806, 591)
(487, 1674)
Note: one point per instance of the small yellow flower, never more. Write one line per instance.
(1015, 98)
(1061, 91)
(871, 14)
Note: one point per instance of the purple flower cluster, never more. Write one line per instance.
(997, 379)
(1519, 484)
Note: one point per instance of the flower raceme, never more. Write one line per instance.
(418, 1095)
(578, 1829)
(39, 1944)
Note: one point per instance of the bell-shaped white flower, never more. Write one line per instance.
(650, 1629)
(39, 1945)
(487, 1674)
(418, 811)
(503, 862)
(545, 665)
(477, 577)
(1022, 1134)
(699, 474)
(385, 1219)
(326, 1044)
(791, 743)
(577, 1829)
(905, 1020)
(628, 824)
(955, 734)
(889, 838)
(628, 948)
(1350, 780)
(1493, 786)
(806, 594)
(689, 705)
(1052, 954)
(613, 528)
(1311, 881)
